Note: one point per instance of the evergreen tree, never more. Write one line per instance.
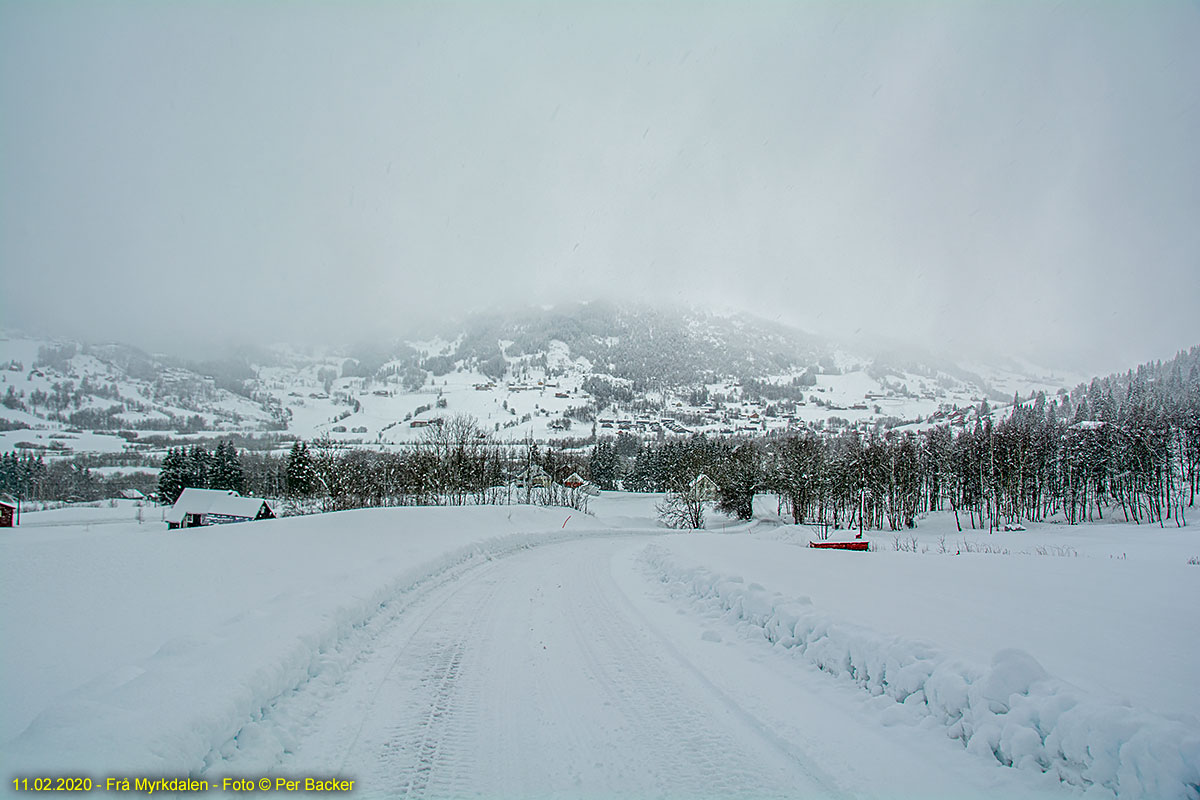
(604, 465)
(171, 476)
(738, 477)
(199, 468)
(301, 475)
(226, 468)
(640, 476)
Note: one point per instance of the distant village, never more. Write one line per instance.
(728, 415)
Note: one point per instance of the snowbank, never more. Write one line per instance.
(1011, 710)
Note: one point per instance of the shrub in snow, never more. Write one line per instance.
(681, 509)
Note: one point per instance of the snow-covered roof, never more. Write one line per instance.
(226, 503)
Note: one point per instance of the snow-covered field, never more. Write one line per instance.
(57, 442)
(522, 651)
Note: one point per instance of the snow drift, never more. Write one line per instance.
(1011, 710)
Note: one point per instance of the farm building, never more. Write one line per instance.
(8, 507)
(196, 507)
(574, 481)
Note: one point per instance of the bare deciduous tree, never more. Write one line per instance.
(682, 508)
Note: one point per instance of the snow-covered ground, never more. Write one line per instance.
(1043, 651)
(59, 442)
(519, 651)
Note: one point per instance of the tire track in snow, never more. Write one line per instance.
(576, 698)
(533, 677)
(426, 741)
(272, 730)
(418, 716)
(829, 785)
(464, 582)
(309, 715)
(667, 695)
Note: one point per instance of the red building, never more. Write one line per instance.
(8, 508)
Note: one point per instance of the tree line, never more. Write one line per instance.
(1126, 444)
(198, 468)
(455, 463)
(25, 476)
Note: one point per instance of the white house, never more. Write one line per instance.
(533, 475)
(197, 507)
(703, 487)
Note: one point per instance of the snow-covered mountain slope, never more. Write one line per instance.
(545, 374)
(65, 397)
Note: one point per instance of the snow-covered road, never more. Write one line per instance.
(564, 670)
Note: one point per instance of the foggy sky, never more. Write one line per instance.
(1012, 176)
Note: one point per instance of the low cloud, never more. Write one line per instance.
(985, 176)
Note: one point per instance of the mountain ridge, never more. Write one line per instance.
(537, 372)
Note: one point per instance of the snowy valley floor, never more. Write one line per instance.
(525, 652)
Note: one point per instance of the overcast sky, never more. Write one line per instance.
(1018, 176)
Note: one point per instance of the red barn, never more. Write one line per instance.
(8, 507)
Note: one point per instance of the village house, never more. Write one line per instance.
(575, 481)
(703, 487)
(196, 507)
(532, 476)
